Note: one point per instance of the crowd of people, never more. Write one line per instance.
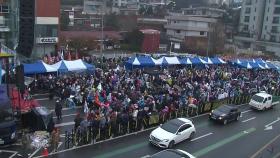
(114, 95)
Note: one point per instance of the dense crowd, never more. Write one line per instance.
(115, 95)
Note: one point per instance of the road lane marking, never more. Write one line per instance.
(13, 155)
(40, 94)
(41, 99)
(8, 151)
(197, 138)
(243, 112)
(264, 147)
(115, 138)
(64, 109)
(34, 153)
(223, 142)
(249, 119)
(64, 124)
(278, 119)
(66, 115)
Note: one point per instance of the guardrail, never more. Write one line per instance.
(118, 128)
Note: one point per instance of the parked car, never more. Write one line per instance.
(171, 153)
(172, 132)
(225, 114)
(263, 101)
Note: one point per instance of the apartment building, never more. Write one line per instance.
(259, 26)
(192, 28)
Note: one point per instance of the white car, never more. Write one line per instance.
(172, 132)
(171, 153)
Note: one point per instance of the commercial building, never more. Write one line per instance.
(259, 26)
(46, 29)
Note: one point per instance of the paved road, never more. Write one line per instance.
(244, 138)
(240, 139)
(66, 124)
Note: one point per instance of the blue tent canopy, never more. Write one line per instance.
(185, 61)
(35, 68)
(146, 61)
(217, 60)
(89, 66)
(197, 60)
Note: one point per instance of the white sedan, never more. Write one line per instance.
(172, 132)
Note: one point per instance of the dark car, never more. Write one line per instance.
(171, 153)
(225, 114)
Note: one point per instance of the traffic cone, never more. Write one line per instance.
(45, 152)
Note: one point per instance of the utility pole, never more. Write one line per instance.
(208, 42)
(102, 28)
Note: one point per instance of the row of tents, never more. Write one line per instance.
(61, 66)
(148, 61)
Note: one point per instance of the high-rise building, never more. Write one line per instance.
(259, 26)
(46, 28)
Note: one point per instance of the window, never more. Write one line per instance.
(255, 9)
(248, 2)
(46, 30)
(274, 29)
(269, 98)
(246, 19)
(275, 20)
(267, 18)
(272, 39)
(267, 9)
(245, 28)
(202, 33)
(265, 27)
(254, 18)
(277, 2)
(277, 10)
(4, 9)
(184, 128)
(247, 10)
(178, 31)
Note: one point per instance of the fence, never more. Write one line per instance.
(115, 129)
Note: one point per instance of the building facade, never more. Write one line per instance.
(9, 13)
(95, 7)
(192, 28)
(259, 26)
(46, 29)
